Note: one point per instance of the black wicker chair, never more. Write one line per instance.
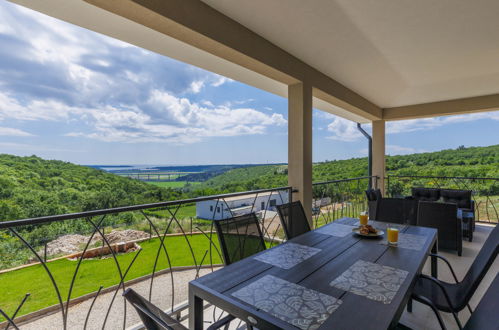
(465, 203)
(426, 194)
(293, 219)
(389, 210)
(411, 211)
(373, 194)
(485, 315)
(443, 217)
(152, 316)
(454, 297)
(239, 237)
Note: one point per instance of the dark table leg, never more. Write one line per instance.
(409, 305)
(471, 228)
(434, 264)
(195, 311)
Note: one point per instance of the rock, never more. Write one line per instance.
(126, 235)
(68, 244)
(74, 243)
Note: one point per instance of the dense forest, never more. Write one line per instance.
(463, 162)
(32, 187)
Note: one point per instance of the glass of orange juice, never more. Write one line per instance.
(363, 218)
(392, 235)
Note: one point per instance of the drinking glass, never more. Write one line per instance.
(363, 218)
(392, 236)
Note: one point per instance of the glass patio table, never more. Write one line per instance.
(316, 292)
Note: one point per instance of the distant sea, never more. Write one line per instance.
(167, 168)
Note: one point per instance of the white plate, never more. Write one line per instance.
(378, 234)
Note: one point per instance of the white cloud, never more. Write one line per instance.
(187, 122)
(196, 86)
(400, 150)
(34, 148)
(404, 126)
(393, 150)
(212, 79)
(7, 131)
(346, 130)
(220, 81)
(343, 130)
(70, 74)
(11, 108)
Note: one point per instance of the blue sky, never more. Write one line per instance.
(72, 94)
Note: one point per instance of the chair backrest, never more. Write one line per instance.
(373, 194)
(411, 211)
(443, 217)
(372, 206)
(426, 194)
(480, 266)
(152, 316)
(293, 219)
(239, 237)
(390, 210)
(461, 197)
(485, 314)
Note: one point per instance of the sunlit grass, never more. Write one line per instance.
(95, 272)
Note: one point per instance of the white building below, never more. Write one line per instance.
(219, 209)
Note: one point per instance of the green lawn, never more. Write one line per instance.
(185, 211)
(487, 209)
(171, 184)
(95, 272)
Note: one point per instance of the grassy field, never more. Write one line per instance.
(95, 272)
(171, 184)
(487, 208)
(183, 212)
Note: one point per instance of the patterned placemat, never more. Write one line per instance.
(373, 281)
(408, 241)
(336, 229)
(287, 255)
(301, 307)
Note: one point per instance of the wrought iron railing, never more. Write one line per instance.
(67, 271)
(485, 191)
(340, 198)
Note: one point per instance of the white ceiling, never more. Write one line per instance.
(392, 52)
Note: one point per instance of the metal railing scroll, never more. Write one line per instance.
(70, 270)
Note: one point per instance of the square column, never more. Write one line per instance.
(379, 153)
(300, 144)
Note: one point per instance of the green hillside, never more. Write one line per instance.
(33, 187)
(469, 162)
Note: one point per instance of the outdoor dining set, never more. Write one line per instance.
(337, 277)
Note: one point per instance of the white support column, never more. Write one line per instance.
(379, 153)
(300, 144)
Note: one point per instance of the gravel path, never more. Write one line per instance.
(162, 296)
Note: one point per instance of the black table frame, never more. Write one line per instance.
(217, 286)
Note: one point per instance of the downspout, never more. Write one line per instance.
(370, 157)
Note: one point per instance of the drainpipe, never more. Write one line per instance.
(370, 157)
